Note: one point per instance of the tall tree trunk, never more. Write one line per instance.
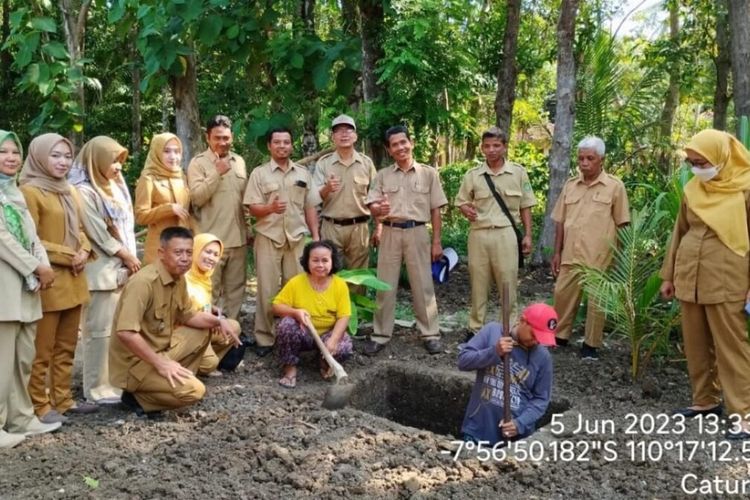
(739, 18)
(311, 108)
(136, 132)
(186, 114)
(350, 26)
(371, 27)
(508, 72)
(672, 99)
(6, 59)
(562, 137)
(74, 16)
(723, 64)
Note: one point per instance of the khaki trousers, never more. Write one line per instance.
(153, 391)
(229, 279)
(413, 247)
(16, 354)
(718, 355)
(215, 350)
(493, 256)
(352, 241)
(274, 267)
(56, 339)
(568, 293)
(95, 334)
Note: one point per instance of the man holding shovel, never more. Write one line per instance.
(530, 376)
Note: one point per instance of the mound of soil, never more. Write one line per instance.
(251, 438)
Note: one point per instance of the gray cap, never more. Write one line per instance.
(343, 120)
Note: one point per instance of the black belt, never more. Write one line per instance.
(348, 222)
(403, 225)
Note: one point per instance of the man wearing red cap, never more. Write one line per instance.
(531, 376)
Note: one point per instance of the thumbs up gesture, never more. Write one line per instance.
(276, 205)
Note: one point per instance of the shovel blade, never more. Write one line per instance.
(337, 396)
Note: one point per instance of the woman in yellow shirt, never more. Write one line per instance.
(317, 296)
(207, 252)
(162, 197)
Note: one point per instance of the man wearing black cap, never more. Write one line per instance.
(342, 179)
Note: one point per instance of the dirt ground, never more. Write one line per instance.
(250, 438)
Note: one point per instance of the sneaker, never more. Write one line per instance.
(561, 342)
(52, 417)
(82, 409)
(589, 353)
(37, 427)
(372, 348)
(9, 440)
(433, 346)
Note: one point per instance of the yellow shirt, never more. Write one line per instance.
(217, 199)
(350, 200)
(152, 303)
(324, 307)
(590, 215)
(511, 183)
(412, 194)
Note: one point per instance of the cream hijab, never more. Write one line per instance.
(36, 172)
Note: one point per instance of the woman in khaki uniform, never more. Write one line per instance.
(706, 269)
(56, 209)
(24, 270)
(109, 224)
(162, 196)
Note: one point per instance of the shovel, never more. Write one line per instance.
(507, 417)
(337, 395)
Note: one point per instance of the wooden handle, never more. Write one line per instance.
(338, 370)
(507, 417)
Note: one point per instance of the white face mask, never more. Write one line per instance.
(705, 174)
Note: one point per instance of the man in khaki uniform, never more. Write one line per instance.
(159, 340)
(406, 196)
(342, 179)
(281, 197)
(493, 246)
(217, 178)
(590, 209)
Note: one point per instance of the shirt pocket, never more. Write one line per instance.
(512, 199)
(361, 184)
(601, 202)
(269, 189)
(162, 193)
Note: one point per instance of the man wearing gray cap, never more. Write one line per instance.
(342, 178)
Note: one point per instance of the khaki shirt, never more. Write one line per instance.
(152, 303)
(217, 199)
(293, 186)
(48, 213)
(350, 200)
(411, 194)
(703, 269)
(511, 183)
(590, 215)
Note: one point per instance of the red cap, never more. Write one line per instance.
(542, 319)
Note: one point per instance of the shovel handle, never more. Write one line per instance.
(337, 368)
(506, 357)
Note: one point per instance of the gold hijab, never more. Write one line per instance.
(35, 172)
(154, 165)
(720, 202)
(97, 156)
(195, 276)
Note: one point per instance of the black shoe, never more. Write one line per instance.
(589, 353)
(561, 342)
(372, 348)
(688, 412)
(433, 346)
(469, 335)
(263, 350)
(132, 404)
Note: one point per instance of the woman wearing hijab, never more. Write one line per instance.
(24, 270)
(706, 268)
(207, 252)
(55, 207)
(109, 224)
(161, 196)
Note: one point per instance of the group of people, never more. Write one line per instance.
(150, 327)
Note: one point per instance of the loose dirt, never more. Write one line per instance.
(250, 438)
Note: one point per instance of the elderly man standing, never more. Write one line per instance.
(342, 179)
(406, 196)
(487, 192)
(159, 340)
(281, 197)
(590, 209)
(217, 178)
